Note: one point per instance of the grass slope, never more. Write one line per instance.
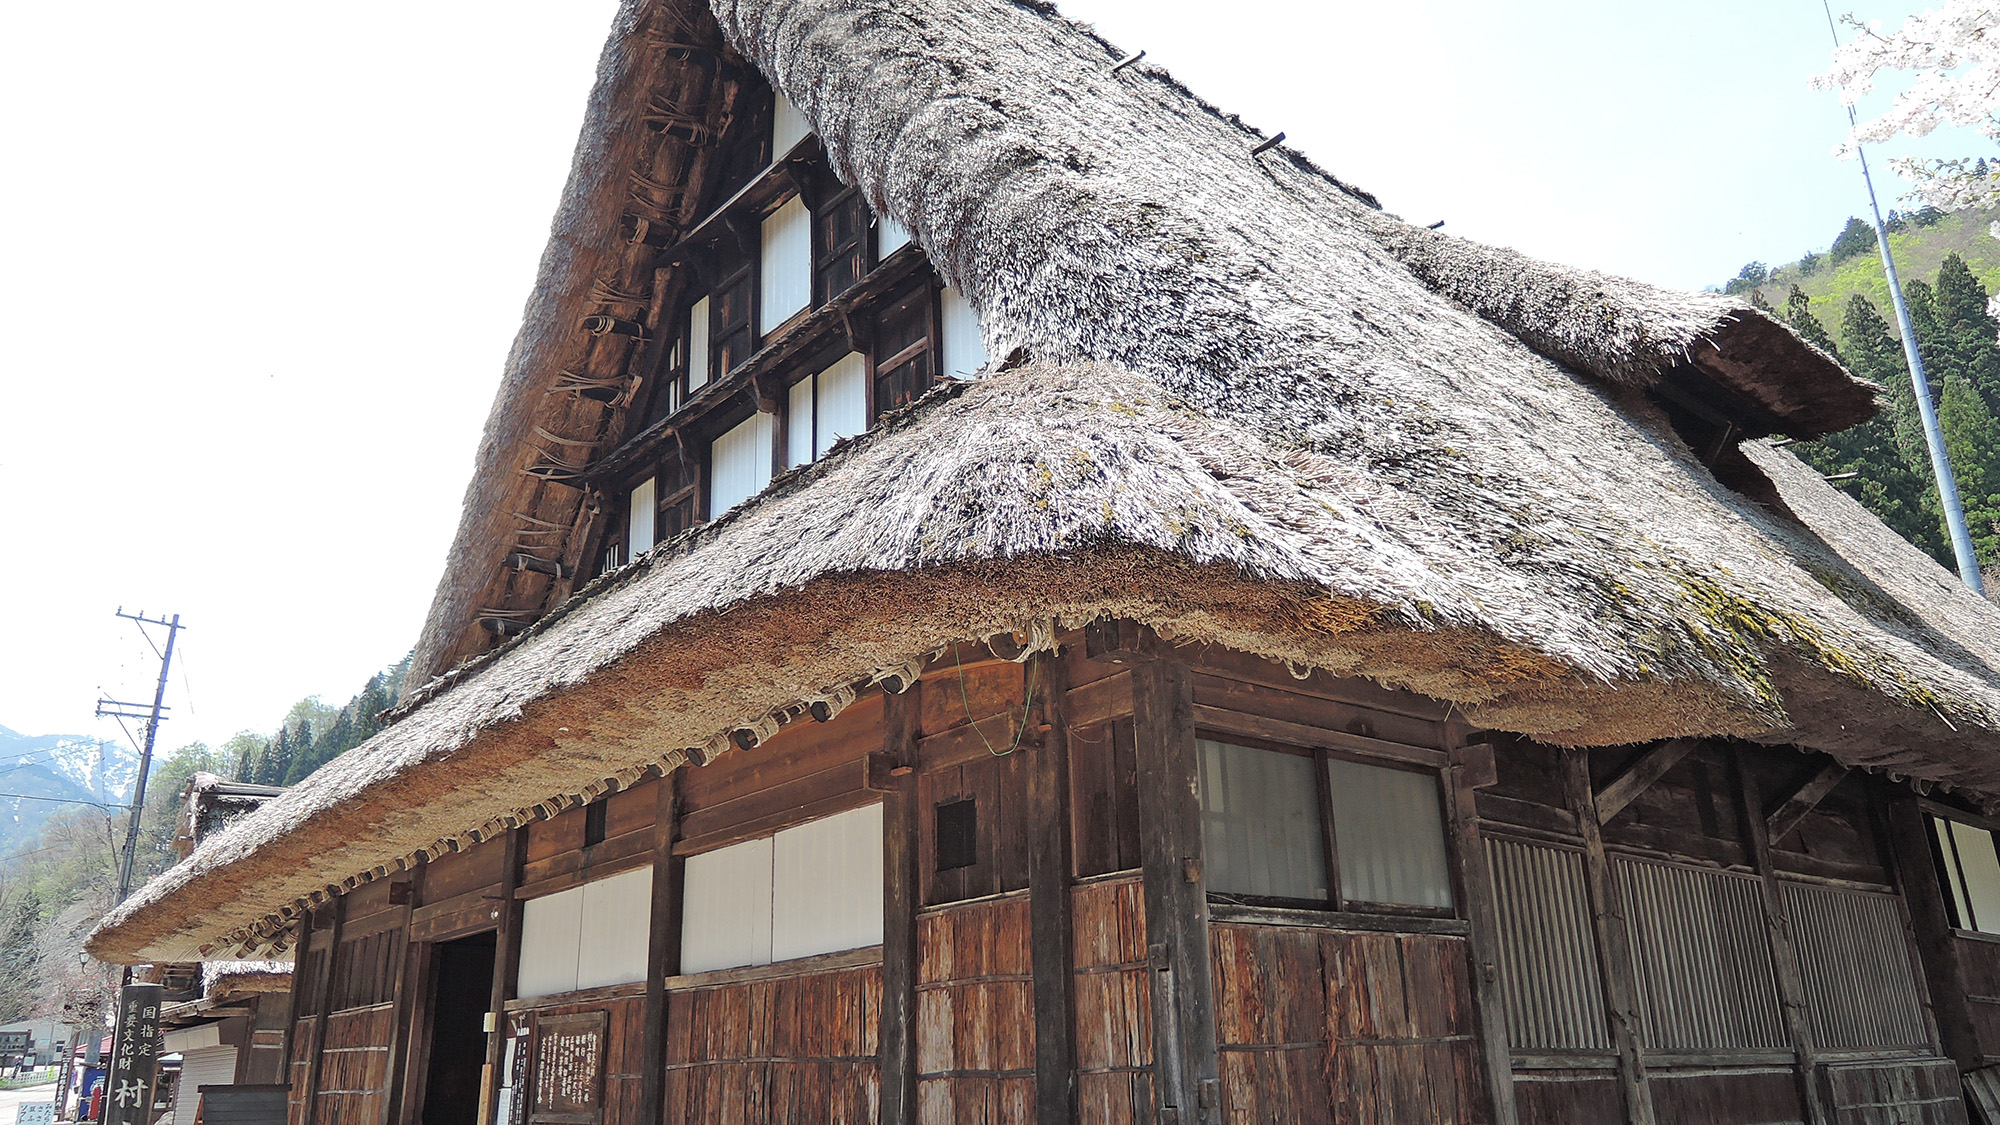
(1919, 252)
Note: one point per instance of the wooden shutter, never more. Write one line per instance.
(840, 244)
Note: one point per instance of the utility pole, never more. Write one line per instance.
(152, 715)
(132, 1072)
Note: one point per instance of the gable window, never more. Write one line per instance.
(813, 888)
(786, 279)
(890, 236)
(1300, 827)
(840, 245)
(788, 126)
(1969, 869)
(730, 339)
(826, 407)
(586, 937)
(964, 347)
(740, 463)
(697, 346)
(904, 351)
(640, 508)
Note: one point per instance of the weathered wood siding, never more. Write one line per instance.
(1114, 1006)
(976, 1014)
(792, 1049)
(1323, 1026)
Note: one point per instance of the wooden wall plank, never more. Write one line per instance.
(1475, 891)
(1784, 955)
(1613, 942)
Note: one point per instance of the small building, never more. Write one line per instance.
(994, 592)
(31, 1043)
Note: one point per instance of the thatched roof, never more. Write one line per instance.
(1252, 411)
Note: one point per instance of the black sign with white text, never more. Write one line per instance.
(135, 1056)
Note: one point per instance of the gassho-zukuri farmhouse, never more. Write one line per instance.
(993, 593)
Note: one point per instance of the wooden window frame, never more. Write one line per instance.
(859, 247)
(1336, 901)
(1960, 926)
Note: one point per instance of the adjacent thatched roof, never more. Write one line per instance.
(1254, 411)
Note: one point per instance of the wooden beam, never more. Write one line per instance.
(1930, 923)
(323, 989)
(900, 883)
(1187, 1086)
(1643, 771)
(1784, 955)
(1612, 941)
(1794, 809)
(1049, 869)
(406, 1027)
(1472, 766)
(663, 948)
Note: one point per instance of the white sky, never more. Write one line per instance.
(260, 265)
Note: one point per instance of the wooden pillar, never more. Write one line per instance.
(900, 894)
(1471, 768)
(404, 1031)
(663, 949)
(1050, 933)
(1612, 941)
(1784, 954)
(506, 971)
(1930, 929)
(323, 988)
(1170, 849)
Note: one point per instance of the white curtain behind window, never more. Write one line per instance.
(639, 520)
(788, 126)
(1260, 822)
(739, 463)
(785, 281)
(1389, 830)
(963, 347)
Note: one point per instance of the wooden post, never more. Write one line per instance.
(1784, 954)
(1930, 929)
(323, 988)
(1612, 940)
(900, 884)
(506, 971)
(1049, 891)
(1471, 767)
(663, 949)
(400, 1051)
(1170, 850)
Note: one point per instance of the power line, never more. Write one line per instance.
(63, 801)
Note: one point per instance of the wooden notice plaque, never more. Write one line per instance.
(569, 1069)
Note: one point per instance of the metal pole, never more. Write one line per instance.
(1947, 484)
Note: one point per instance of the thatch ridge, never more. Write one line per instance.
(1244, 419)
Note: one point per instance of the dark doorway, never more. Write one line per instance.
(462, 984)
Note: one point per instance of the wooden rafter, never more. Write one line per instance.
(1794, 809)
(1641, 773)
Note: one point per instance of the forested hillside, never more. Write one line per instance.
(54, 886)
(1887, 456)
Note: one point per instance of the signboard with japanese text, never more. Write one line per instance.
(15, 1042)
(135, 1056)
(36, 1113)
(569, 1069)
